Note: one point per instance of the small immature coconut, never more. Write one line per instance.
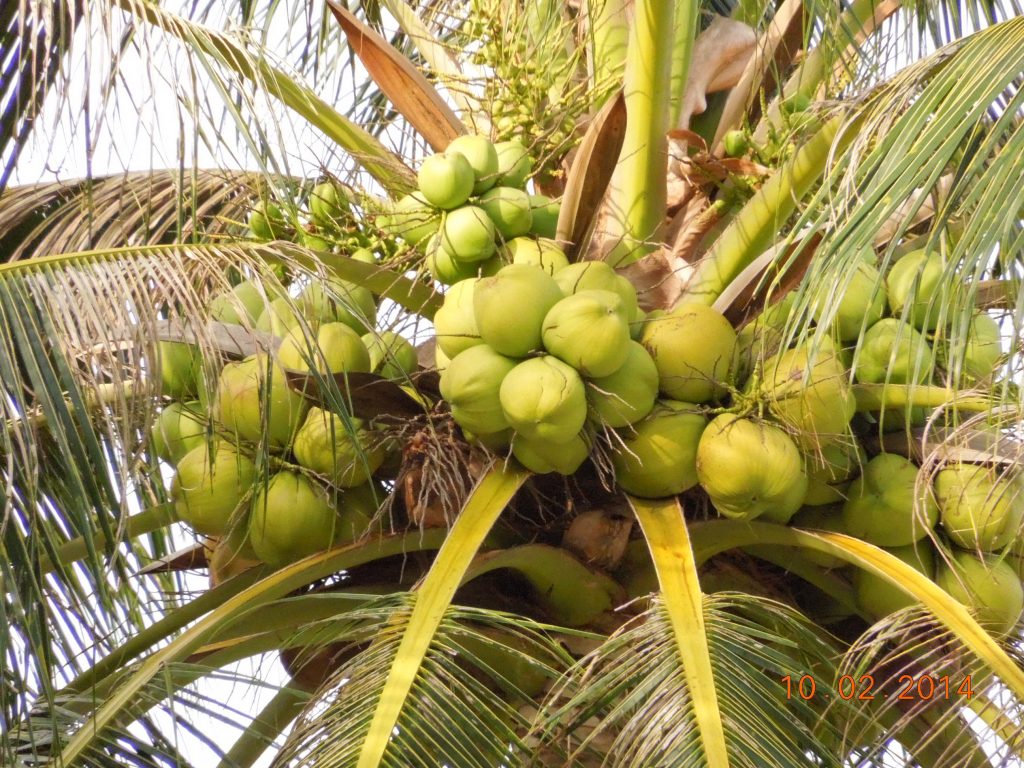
(830, 469)
(178, 429)
(879, 598)
(990, 587)
(597, 275)
(471, 384)
(658, 455)
(413, 219)
(239, 306)
(918, 278)
(628, 395)
(543, 456)
(391, 355)
(544, 400)
(446, 181)
(887, 506)
(514, 165)
(694, 348)
(509, 209)
(545, 216)
(336, 349)
(510, 308)
(482, 157)
(541, 252)
(735, 143)
(180, 365)
(345, 456)
(467, 234)
(861, 304)
(893, 352)
(589, 331)
(208, 489)
(823, 518)
(267, 221)
(327, 205)
(455, 321)
(252, 404)
(315, 242)
(338, 301)
(750, 469)
(979, 355)
(291, 518)
(980, 507)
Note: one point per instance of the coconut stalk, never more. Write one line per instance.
(609, 36)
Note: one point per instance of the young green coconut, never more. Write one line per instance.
(917, 279)
(180, 368)
(455, 322)
(178, 429)
(210, 486)
(750, 469)
(599, 276)
(980, 507)
(877, 597)
(482, 157)
(391, 355)
(446, 180)
(544, 399)
(338, 301)
(989, 586)
(468, 233)
(861, 304)
(545, 216)
(544, 456)
(345, 455)
(589, 331)
(887, 506)
(514, 166)
(658, 455)
(471, 384)
(980, 353)
(892, 351)
(509, 209)
(335, 349)
(694, 348)
(291, 518)
(540, 252)
(830, 469)
(327, 205)
(254, 401)
(239, 306)
(510, 308)
(627, 395)
(280, 317)
(413, 219)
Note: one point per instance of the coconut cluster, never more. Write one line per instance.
(472, 213)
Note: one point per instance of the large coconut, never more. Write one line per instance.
(917, 278)
(861, 304)
(482, 157)
(180, 368)
(514, 165)
(627, 395)
(658, 455)
(878, 597)
(391, 354)
(979, 355)
(254, 400)
(990, 587)
(887, 505)
(336, 349)
(543, 456)
(821, 518)
(210, 485)
(588, 330)
(540, 252)
(694, 348)
(446, 180)
(809, 392)
(544, 399)
(338, 301)
(980, 507)
(891, 351)
(830, 470)
(239, 306)
(178, 429)
(510, 308)
(597, 275)
(509, 209)
(467, 234)
(413, 219)
(345, 455)
(291, 518)
(750, 469)
(471, 384)
(455, 321)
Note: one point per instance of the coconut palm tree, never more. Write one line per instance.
(806, 552)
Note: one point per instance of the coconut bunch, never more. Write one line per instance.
(472, 212)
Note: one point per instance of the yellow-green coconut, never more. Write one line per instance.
(338, 301)
(467, 234)
(658, 455)
(346, 456)
(208, 489)
(694, 348)
(391, 354)
(254, 401)
(588, 330)
(989, 586)
(894, 352)
(455, 322)
(543, 456)
(980, 507)
(335, 349)
(917, 280)
(830, 469)
(887, 505)
(540, 252)
(543, 399)
(471, 385)
(291, 518)
(509, 209)
(446, 180)
(877, 596)
(180, 367)
(510, 308)
(628, 395)
(178, 429)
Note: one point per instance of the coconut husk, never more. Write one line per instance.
(599, 536)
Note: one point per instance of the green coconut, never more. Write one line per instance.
(545, 216)
(628, 395)
(252, 404)
(989, 586)
(327, 205)
(514, 166)
(496, 442)
(209, 488)
(588, 330)
(391, 355)
(980, 507)
(543, 456)
(658, 455)
(471, 384)
(279, 318)
(860, 305)
(887, 506)
(509, 209)
(597, 275)
(918, 278)
(544, 400)
(178, 429)
(445, 268)
(891, 351)
(455, 322)
(809, 393)
(877, 597)
(762, 337)
(345, 456)
(267, 221)
(338, 301)
(180, 367)
(357, 512)
(735, 143)
(315, 242)
(694, 348)
(541, 252)
(291, 518)
(413, 219)
(750, 469)
(979, 356)
(822, 518)
(510, 308)
(336, 349)
(239, 306)
(364, 255)
(467, 234)
(482, 157)
(830, 469)
(446, 180)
